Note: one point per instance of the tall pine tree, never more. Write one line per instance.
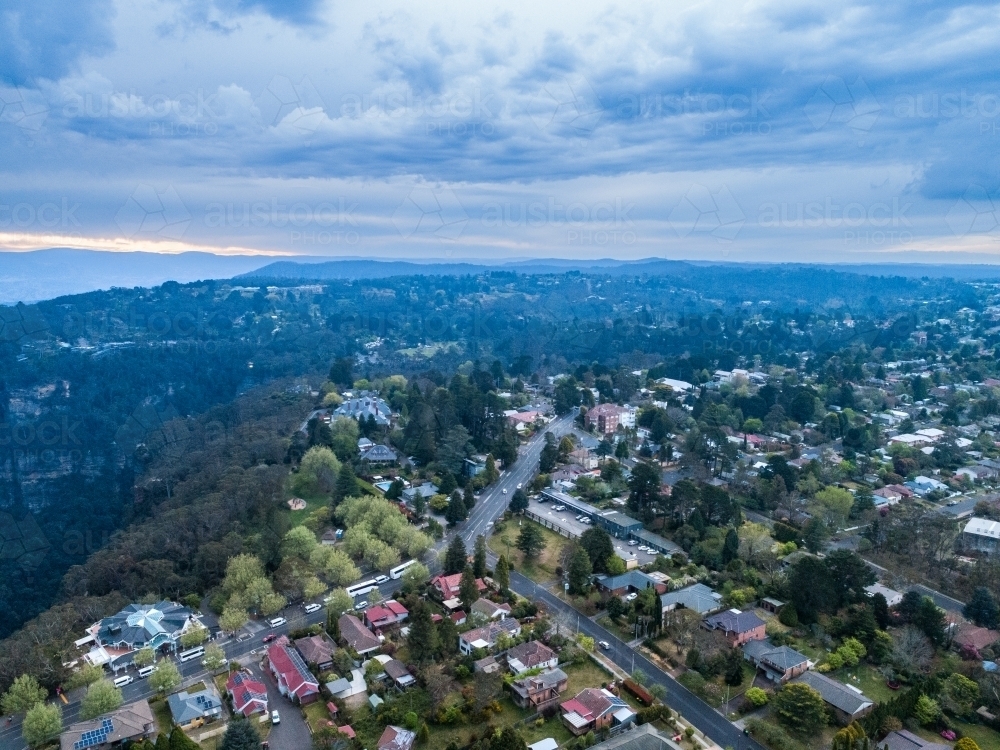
(422, 639)
(455, 556)
(479, 557)
(502, 573)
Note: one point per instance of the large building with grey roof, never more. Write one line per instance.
(140, 626)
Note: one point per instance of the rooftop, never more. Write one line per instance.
(847, 699)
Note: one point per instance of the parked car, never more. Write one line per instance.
(381, 579)
(310, 608)
(632, 542)
(275, 717)
(631, 597)
(277, 622)
(520, 484)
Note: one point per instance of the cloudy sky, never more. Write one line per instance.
(718, 131)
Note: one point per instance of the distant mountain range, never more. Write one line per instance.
(313, 269)
(45, 274)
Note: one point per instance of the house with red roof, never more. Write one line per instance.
(291, 673)
(447, 586)
(595, 708)
(249, 695)
(385, 615)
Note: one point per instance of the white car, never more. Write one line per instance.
(381, 579)
(631, 597)
(605, 645)
(505, 490)
(633, 542)
(277, 622)
(275, 717)
(519, 485)
(310, 608)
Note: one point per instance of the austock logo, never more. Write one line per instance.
(22, 542)
(297, 104)
(566, 104)
(26, 108)
(149, 212)
(839, 102)
(976, 212)
(702, 211)
(431, 212)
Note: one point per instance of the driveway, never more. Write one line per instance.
(292, 733)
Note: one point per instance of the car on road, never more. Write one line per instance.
(952, 503)
(275, 717)
(277, 622)
(269, 637)
(505, 490)
(310, 608)
(381, 579)
(604, 645)
(520, 484)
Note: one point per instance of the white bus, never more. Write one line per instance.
(191, 653)
(361, 589)
(397, 572)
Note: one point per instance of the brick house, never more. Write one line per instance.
(738, 627)
(593, 709)
(294, 679)
(539, 691)
(778, 663)
(385, 615)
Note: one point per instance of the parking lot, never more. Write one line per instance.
(565, 523)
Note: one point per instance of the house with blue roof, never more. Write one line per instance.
(697, 597)
(189, 710)
(629, 582)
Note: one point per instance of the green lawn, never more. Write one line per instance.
(316, 715)
(299, 517)
(162, 713)
(543, 568)
(553, 728)
(587, 674)
(982, 734)
(622, 631)
(867, 679)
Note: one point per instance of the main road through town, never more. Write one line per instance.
(490, 505)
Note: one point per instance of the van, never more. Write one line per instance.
(124, 680)
(277, 621)
(310, 608)
(147, 671)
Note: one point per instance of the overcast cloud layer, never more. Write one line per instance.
(768, 131)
